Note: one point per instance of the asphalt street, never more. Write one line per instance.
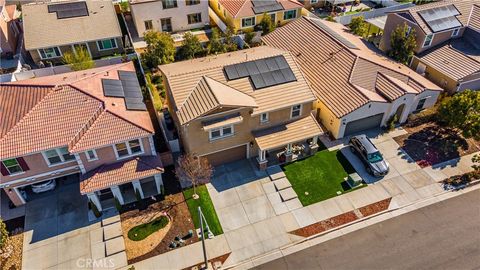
(445, 235)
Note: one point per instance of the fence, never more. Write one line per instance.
(346, 19)
(217, 20)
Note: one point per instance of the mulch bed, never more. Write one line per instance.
(14, 262)
(429, 144)
(342, 219)
(221, 259)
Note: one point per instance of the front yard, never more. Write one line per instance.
(319, 177)
(206, 205)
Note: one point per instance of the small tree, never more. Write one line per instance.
(80, 59)
(476, 162)
(230, 41)
(195, 170)
(249, 35)
(402, 43)
(6, 247)
(216, 45)
(160, 49)
(191, 46)
(462, 112)
(267, 24)
(358, 26)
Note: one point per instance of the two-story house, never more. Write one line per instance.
(244, 104)
(448, 36)
(169, 15)
(246, 14)
(9, 29)
(92, 123)
(356, 87)
(53, 28)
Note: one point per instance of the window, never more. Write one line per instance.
(148, 25)
(218, 6)
(291, 14)
(91, 155)
(130, 148)
(48, 53)
(192, 2)
(194, 18)
(420, 104)
(106, 44)
(296, 111)
(455, 32)
(57, 156)
(248, 22)
(169, 4)
(273, 17)
(166, 25)
(428, 40)
(409, 30)
(313, 1)
(221, 132)
(264, 118)
(12, 166)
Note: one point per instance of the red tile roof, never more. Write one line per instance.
(119, 173)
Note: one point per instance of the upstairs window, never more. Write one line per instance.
(57, 156)
(106, 44)
(169, 4)
(148, 25)
(264, 118)
(48, 53)
(296, 111)
(91, 155)
(192, 2)
(222, 132)
(11, 166)
(428, 40)
(248, 22)
(455, 32)
(194, 18)
(290, 14)
(130, 148)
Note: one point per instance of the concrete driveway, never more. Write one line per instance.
(57, 228)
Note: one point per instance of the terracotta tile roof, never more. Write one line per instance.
(42, 29)
(119, 173)
(292, 132)
(39, 117)
(463, 6)
(474, 21)
(16, 101)
(387, 88)
(244, 8)
(107, 129)
(184, 77)
(209, 95)
(343, 78)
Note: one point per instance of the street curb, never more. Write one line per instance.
(284, 250)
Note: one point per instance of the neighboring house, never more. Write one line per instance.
(448, 38)
(356, 87)
(91, 122)
(9, 29)
(245, 14)
(244, 104)
(309, 4)
(53, 28)
(169, 15)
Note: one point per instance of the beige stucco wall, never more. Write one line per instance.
(437, 77)
(154, 11)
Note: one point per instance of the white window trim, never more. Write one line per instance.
(267, 118)
(294, 10)
(457, 30)
(100, 40)
(409, 30)
(291, 111)
(423, 106)
(221, 133)
(13, 174)
(60, 51)
(275, 15)
(128, 149)
(88, 156)
(431, 40)
(201, 19)
(254, 22)
(60, 155)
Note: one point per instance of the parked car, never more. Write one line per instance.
(44, 186)
(369, 154)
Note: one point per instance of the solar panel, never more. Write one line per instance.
(69, 10)
(231, 72)
(252, 68)
(112, 88)
(262, 66)
(334, 34)
(271, 64)
(281, 62)
(262, 6)
(278, 76)
(242, 70)
(135, 104)
(288, 74)
(441, 18)
(258, 81)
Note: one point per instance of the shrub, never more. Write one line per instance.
(249, 35)
(267, 24)
(78, 60)
(391, 123)
(358, 26)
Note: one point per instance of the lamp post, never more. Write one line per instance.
(202, 232)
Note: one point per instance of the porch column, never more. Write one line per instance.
(315, 140)
(262, 160)
(117, 194)
(288, 153)
(138, 186)
(94, 199)
(158, 182)
(314, 145)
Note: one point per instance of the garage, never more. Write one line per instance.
(363, 124)
(229, 155)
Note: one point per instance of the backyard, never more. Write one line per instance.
(319, 177)
(207, 209)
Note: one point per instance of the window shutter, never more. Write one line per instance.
(23, 164)
(3, 169)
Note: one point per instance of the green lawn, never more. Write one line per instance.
(320, 175)
(142, 231)
(207, 209)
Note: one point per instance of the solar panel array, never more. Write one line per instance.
(262, 6)
(263, 72)
(335, 35)
(128, 88)
(69, 10)
(441, 18)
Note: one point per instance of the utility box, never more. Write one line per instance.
(354, 180)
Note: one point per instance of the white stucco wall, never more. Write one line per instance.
(154, 11)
